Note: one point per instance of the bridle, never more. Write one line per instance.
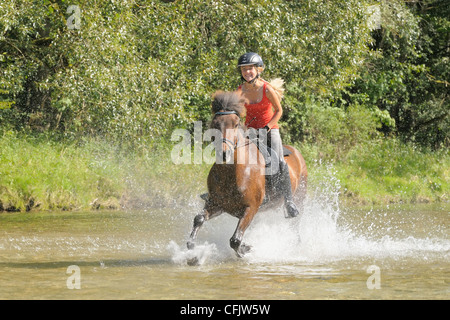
(231, 144)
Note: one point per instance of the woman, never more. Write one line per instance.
(263, 112)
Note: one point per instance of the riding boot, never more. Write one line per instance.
(286, 189)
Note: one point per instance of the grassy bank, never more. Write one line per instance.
(388, 171)
(43, 173)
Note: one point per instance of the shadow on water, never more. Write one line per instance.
(108, 262)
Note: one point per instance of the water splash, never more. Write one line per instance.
(201, 253)
(324, 233)
(318, 238)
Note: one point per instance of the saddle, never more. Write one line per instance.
(270, 155)
(268, 151)
(272, 170)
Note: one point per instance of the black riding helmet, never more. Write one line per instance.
(248, 59)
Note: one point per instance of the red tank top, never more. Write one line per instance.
(259, 114)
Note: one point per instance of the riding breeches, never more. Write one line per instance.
(276, 144)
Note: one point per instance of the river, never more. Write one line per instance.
(389, 252)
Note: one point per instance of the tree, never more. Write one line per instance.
(406, 74)
(135, 70)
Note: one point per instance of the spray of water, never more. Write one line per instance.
(318, 236)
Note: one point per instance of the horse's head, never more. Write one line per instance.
(227, 109)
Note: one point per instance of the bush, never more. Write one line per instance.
(335, 131)
(134, 71)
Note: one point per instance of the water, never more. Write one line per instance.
(397, 252)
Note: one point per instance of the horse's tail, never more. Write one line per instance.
(277, 84)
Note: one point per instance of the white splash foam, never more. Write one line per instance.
(204, 253)
(318, 236)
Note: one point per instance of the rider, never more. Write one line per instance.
(263, 112)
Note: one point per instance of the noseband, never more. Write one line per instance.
(222, 113)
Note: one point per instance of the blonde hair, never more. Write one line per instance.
(278, 85)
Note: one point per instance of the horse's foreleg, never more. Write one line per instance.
(198, 222)
(236, 239)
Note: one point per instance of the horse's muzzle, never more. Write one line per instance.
(226, 155)
(227, 150)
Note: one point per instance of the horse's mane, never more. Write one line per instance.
(229, 101)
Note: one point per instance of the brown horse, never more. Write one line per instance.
(238, 185)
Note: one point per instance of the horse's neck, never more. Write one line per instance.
(247, 151)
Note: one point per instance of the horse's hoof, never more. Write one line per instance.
(291, 210)
(190, 245)
(193, 261)
(290, 216)
(240, 248)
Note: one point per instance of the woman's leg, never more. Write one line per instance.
(285, 180)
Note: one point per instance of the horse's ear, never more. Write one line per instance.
(217, 93)
(216, 104)
(228, 100)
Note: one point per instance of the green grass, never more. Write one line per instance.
(38, 172)
(389, 171)
(43, 173)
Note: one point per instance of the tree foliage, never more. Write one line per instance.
(407, 75)
(134, 70)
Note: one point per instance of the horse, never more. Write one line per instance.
(238, 185)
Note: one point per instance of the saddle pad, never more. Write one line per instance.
(286, 151)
